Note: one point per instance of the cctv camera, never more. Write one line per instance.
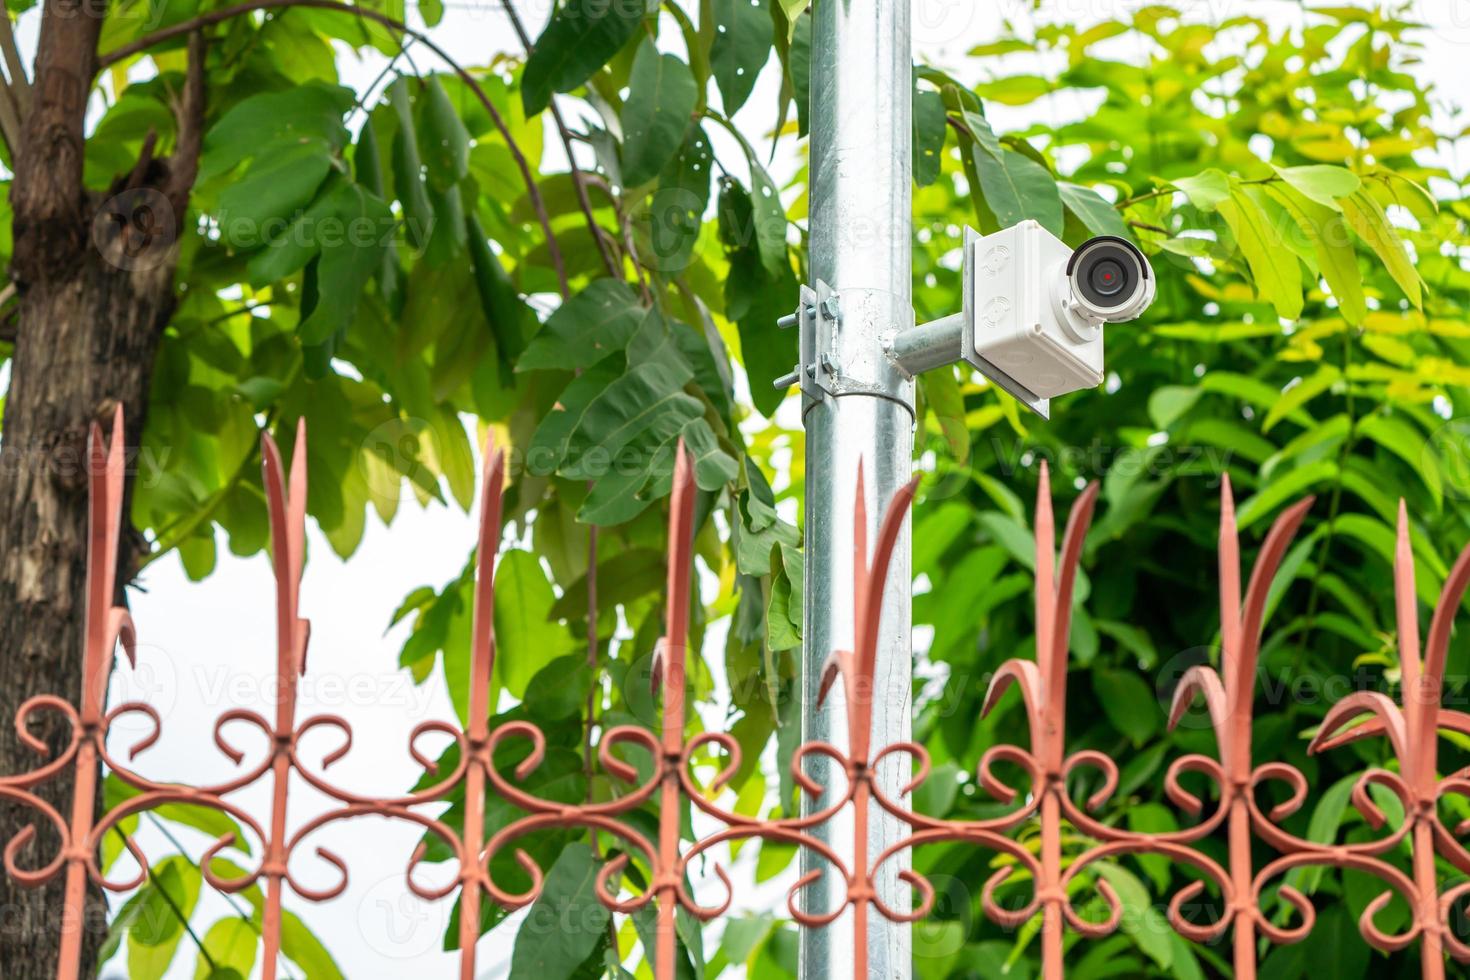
(1107, 281)
(1034, 308)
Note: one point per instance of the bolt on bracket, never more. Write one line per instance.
(816, 320)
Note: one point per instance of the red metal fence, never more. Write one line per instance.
(1241, 891)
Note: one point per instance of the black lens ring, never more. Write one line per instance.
(1093, 252)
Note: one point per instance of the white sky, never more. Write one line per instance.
(209, 646)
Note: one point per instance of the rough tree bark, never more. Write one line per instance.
(94, 274)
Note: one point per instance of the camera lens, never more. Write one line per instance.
(1110, 278)
(1107, 277)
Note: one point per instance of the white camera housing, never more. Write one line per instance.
(1031, 318)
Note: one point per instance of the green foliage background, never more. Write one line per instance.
(1309, 337)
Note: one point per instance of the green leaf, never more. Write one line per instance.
(1299, 394)
(676, 210)
(209, 821)
(761, 528)
(231, 945)
(930, 130)
(756, 298)
(799, 65)
(1143, 921)
(660, 104)
(507, 316)
(1336, 947)
(597, 322)
(1368, 219)
(580, 38)
(740, 50)
(1128, 702)
(443, 139)
(566, 924)
(525, 637)
(1167, 404)
(408, 184)
(1283, 489)
(304, 949)
(618, 422)
(1326, 820)
(1327, 231)
(1016, 188)
(783, 613)
(1321, 183)
(559, 690)
(1015, 89)
(1206, 190)
(794, 10)
(1095, 213)
(946, 403)
(1274, 268)
(348, 228)
(271, 191)
(263, 125)
(157, 929)
(1404, 441)
(768, 217)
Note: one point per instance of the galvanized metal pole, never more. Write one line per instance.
(861, 246)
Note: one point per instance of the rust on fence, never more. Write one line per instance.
(1245, 890)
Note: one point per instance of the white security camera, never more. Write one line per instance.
(1035, 308)
(1107, 281)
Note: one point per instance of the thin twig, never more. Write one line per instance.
(583, 201)
(237, 311)
(174, 906)
(144, 43)
(230, 899)
(360, 103)
(183, 166)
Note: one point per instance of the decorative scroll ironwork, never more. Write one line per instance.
(1245, 887)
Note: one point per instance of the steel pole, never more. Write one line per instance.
(861, 245)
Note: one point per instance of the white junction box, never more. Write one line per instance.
(1026, 331)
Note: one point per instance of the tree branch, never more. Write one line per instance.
(189, 111)
(142, 44)
(52, 216)
(566, 141)
(10, 122)
(20, 86)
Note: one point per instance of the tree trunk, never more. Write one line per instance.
(95, 280)
(83, 345)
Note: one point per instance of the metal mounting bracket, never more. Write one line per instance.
(816, 320)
